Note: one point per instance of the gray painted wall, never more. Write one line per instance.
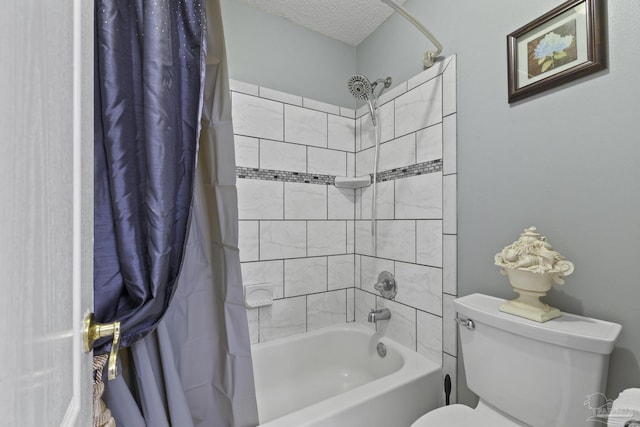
(567, 161)
(273, 52)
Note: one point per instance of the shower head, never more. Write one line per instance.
(360, 87)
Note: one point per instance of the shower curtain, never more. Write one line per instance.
(194, 368)
(147, 80)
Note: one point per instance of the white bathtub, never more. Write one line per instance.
(334, 377)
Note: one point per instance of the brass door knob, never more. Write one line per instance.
(93, 330)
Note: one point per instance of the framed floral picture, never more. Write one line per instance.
(562, 45)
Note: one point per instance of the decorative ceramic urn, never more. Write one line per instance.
(532, 267)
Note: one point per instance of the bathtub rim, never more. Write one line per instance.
(414, 367)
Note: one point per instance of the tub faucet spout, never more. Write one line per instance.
(382, 314)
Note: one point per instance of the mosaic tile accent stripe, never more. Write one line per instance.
(412, 170)
(278, 175)
(310, 178)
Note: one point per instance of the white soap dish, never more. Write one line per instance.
(258, 295)
(352, 182)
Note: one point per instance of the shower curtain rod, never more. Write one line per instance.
(429, 56)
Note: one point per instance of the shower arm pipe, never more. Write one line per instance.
(429, 56)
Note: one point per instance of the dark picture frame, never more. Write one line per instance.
(562, 45)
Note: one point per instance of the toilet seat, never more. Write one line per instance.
(463, 416)
(450, 416)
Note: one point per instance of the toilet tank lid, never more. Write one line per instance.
(568, 330)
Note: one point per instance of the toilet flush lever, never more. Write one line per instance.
(467, 323)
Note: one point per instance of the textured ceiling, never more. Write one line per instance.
(350, 21)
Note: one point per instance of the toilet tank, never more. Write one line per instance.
(538, 373)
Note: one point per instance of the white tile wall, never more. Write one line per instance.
(363, 237)
(419, 197)
(340, 271)
(283, 156)
(259, 199)
(254, 116)
(357, 267)
(392, 93)
(421, 287)
(326, 309)
(304, 201)
(341, 133)
(305, 276)
(351, 237)
(253, 318)
(449, 88)
(429, 242)
(402, 325)
(248, 240)
(365, 302)
(449, 326)
(327, 238)
(419, 241)
(361, 111)
(449, 138)
(283, 239)
(304, 126)
(327, 162)
(341, 203)
(449, 202)
(429, 145)
(450, 264)
(285, 317)
(397, 240)
(313, 242)
(351, 164)
(384, 201)
(247, 151)
(419, 108)
(367, 131)
(397, 153)
(429, 343)
(351, 305)
(364, 162)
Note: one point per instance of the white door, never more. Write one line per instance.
(46, 211)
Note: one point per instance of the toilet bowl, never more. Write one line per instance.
(526, 373)
(464, 416)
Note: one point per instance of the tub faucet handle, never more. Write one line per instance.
(386, 285)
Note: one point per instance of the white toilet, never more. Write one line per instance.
(527, 373)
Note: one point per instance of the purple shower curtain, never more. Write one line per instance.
(149, 64)
(194, 369)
